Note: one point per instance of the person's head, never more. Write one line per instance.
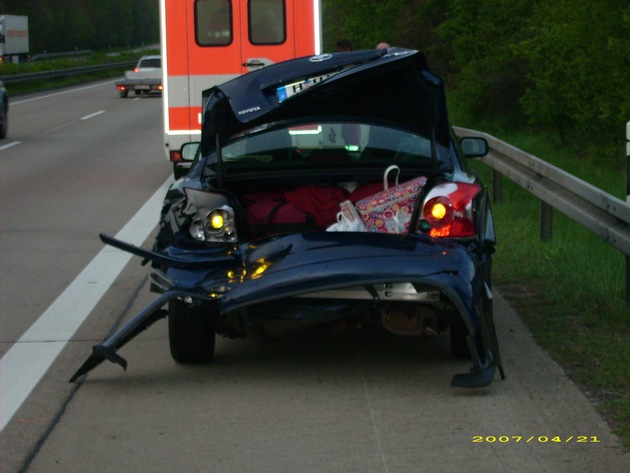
(382, 46)
(345, 45)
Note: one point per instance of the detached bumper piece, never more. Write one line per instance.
(142, 321)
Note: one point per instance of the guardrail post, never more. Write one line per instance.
(497, 186)
(546, 221)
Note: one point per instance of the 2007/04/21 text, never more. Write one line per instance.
(535, 439)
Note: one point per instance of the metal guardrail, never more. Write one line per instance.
(45, 56)
(603, 214)
(46, 75)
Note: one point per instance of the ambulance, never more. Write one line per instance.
(208, 42)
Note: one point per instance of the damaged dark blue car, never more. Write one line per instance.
(326, 190)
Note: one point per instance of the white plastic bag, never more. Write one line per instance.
(348, 220)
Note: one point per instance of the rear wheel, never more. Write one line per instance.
(191, 333)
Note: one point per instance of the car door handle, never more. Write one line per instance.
(254, 64)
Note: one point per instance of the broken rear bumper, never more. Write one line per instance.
(322, 265)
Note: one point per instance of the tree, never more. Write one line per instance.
(369, 22)
(487, 78)
(65, 25)
(77, 26)
(578, 58)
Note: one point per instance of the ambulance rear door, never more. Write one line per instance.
(208, 42)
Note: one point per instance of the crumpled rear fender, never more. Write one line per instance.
(295, 265)
(300, 264)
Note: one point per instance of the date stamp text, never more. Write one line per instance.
(535, 439)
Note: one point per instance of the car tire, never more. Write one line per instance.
(191, 333)
(459, 342)
(4, 126)
(123, 94)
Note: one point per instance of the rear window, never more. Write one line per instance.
(328, 145)
(213, 22)
(267, 24)
(151, 63)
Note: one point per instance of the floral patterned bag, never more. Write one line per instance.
(389, 211)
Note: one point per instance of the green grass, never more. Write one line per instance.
(570, 290)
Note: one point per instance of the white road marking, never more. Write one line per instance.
(28, 360)
(92, 115)
(60, 127)
(55, 94)
(10, 145)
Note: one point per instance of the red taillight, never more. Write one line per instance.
(447, 210)
(175, 156)
(135, 69)
(121, 87)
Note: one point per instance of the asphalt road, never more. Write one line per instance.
(86, 162)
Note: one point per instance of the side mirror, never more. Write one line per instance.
(189, 151)
(474, 147)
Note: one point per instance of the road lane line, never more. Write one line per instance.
(92, 115)
(64, 92)
(10, 145)
(28, 360)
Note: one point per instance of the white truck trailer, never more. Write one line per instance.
(14, 45)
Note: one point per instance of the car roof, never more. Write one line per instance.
(393, 86)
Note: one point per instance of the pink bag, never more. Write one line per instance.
(389, 211)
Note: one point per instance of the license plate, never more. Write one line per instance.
(289, 90)
(142, 87)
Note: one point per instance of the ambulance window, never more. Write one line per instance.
(267, 23)
(213, 22)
